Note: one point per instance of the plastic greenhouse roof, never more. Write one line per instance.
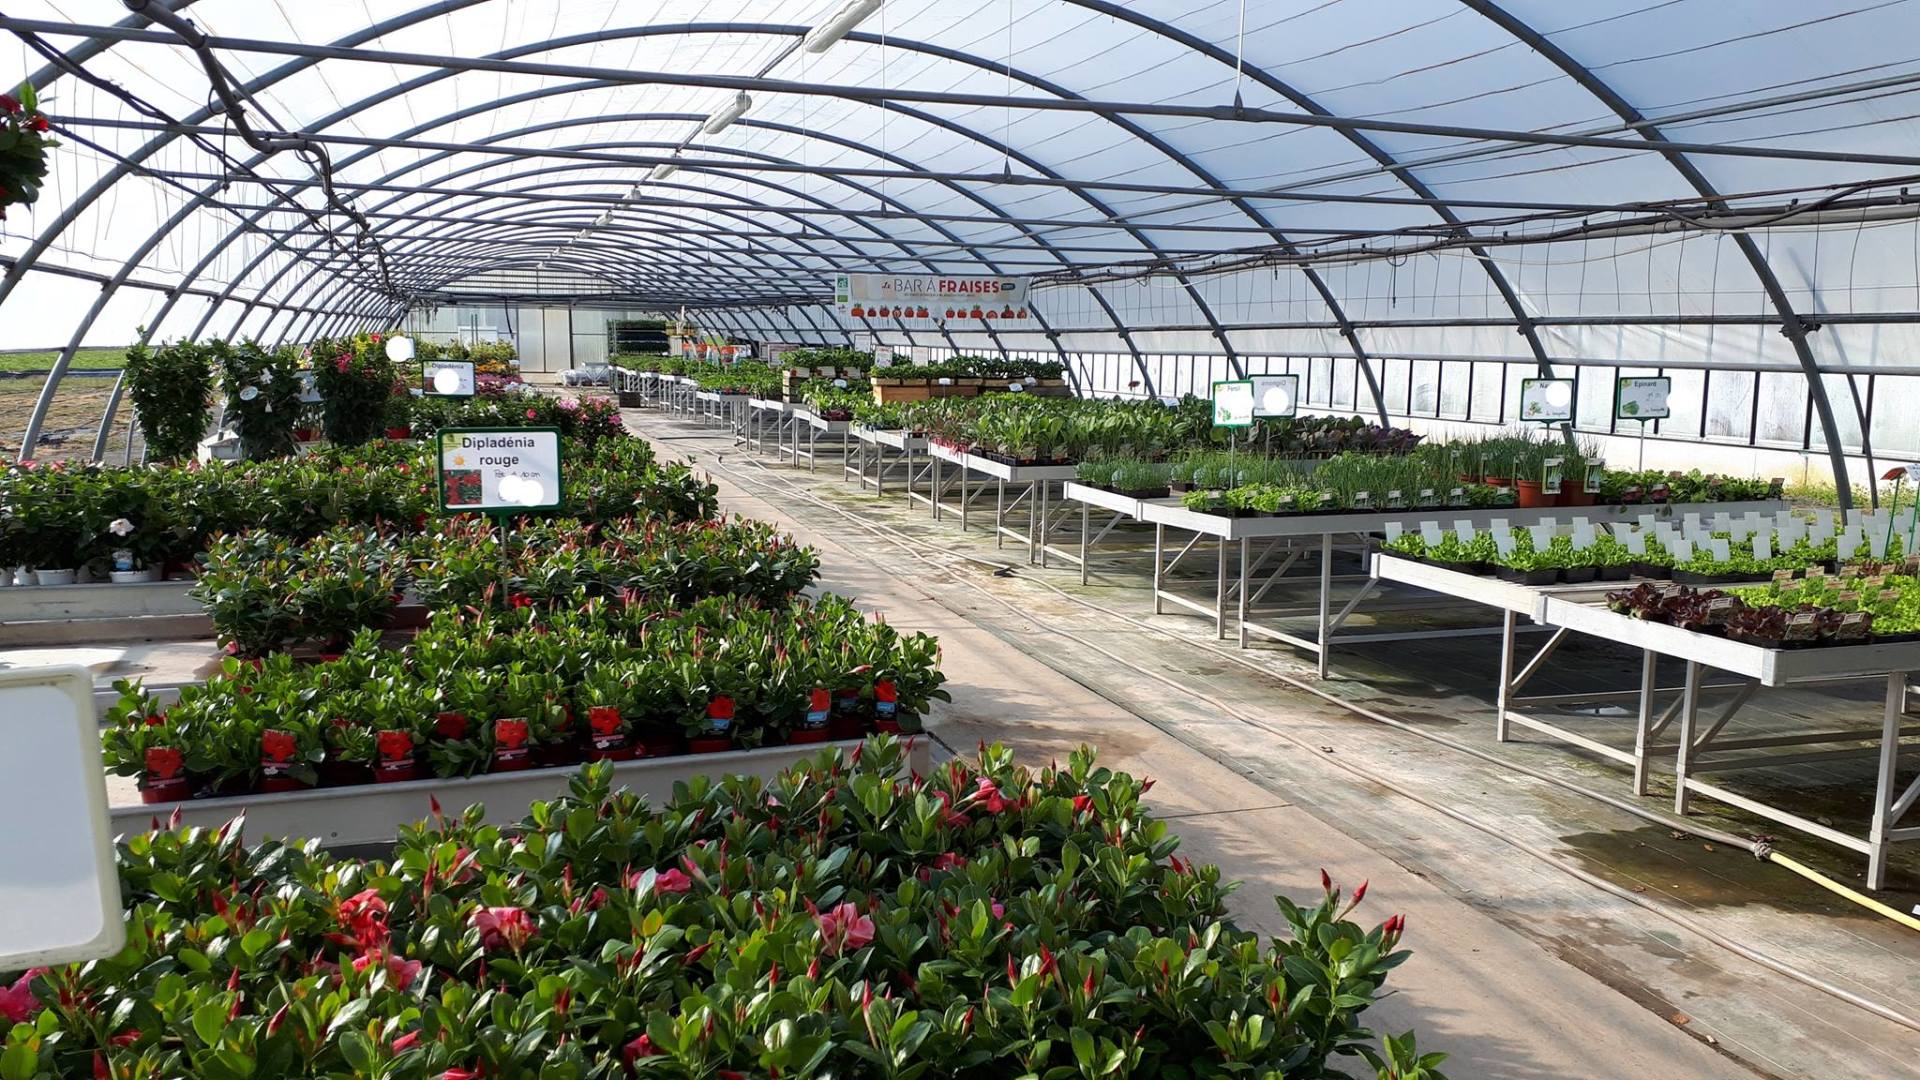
(1617, 179)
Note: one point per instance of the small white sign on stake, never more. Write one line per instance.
(59, 887)
(1464, 529)
(1636, 543)
(1721, 548)
(1763, 545)
(1233, 403)
(1542, 536)
(1394, 531)
(1503, 541)
(1430, 532)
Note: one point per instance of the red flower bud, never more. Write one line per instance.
(1326, 883)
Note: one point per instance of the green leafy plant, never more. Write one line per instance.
(171, 388)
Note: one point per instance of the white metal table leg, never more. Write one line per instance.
(1159, 552)
(1504, 699)
(1884, 791)
(1086, 523)
(1643, 724)
(1689, 713)
(1326, 597)
(1240, 611)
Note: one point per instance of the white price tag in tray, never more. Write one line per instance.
(1691, 523)
(1582, 540)
(1430, 532)
(1681, 548)
(1720, 547)
(1464, 530)
(1394, 529)
(1503, 541)
(1636, 543)
(1647, 521)
(1542, 536)
(1877, 543)
(1723, 522)
(1762, 546)
(1499, 525)
(1846, 544)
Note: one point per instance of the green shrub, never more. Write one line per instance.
(171, 388)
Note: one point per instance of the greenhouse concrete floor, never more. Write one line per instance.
(1520, 968)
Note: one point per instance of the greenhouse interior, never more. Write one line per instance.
(712, 539)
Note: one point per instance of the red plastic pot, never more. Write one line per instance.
(169, 789)
(886, 704)
(396, 761)
(888, 726)
(277, 785)
(400, 433)
(803, 736)
(305, 434)
(718, 744)
(277, 749)
(606, 739)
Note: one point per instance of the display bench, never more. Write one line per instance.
(808, 430)
(880, 456)
(1269, 548)
(764, 418)
(374, 813)
(1695, 749)
(1033, 489)
(1118, 511)
(714, 409)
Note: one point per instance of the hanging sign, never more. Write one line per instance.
(1276, 395)
(59, 888)
(1546, 401)
(931, 300)
(446, 378)
(1643, 398)
(1233, 404)
(494, 470)
(883, 356)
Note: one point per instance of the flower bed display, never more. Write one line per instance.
(531, 686)
(844, 919)
(63, 517)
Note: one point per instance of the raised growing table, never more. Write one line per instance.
(879, 454)
(1033, 487)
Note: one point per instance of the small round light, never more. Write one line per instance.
(399, 349)
(446, 381)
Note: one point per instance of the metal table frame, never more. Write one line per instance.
(879, 454)
(1295, 537)
(808, 427)
(1033, 487)
(762, 412)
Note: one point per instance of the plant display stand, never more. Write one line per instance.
(1293, 538)
(880, 456)
(1120, 511)
(1033, 494)
(373, 813)
(1698, 748)
(766, 418)
(807, 431)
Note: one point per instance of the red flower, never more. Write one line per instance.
(400, 972)
(340, 363)
(38, 123)
(460, 1074)
(364, 915)
(17, 1002)
(276, 747)
(844, 928)
(1082, 803)
(533, 414)
(450, 725)
(638, 1048)
(520, 600)
(672, 881)
(988, 795)
(9, 103)
(395, 745)
(1898, 472)
(406, 1042)
(947, 860)
(126, 1038)
(511, 927)
(164, 762)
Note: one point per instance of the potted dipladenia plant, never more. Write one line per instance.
(135, 731)
(605, 697)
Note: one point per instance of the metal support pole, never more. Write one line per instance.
(1159, 552)
(1643, 724)
(1689, 713)
(1504, 699)
(1884, 791)
(1326, 597)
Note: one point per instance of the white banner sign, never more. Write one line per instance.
(499, 469)
(447, 378)
(932, 299)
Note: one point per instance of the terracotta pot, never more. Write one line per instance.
(1576, 496)
(1497, 481)
(715, 745)
(1532, 496)
(169, 789)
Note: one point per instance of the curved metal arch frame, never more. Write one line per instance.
(1793, 326)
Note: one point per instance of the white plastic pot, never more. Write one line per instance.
(134, 577)
(53, 577)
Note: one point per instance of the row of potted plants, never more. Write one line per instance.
(62, 519)
(587, 419)
(478, 691)
(847, 918)
(1608, 558)
(266, 593)
(1767, 622)
(1887, 592)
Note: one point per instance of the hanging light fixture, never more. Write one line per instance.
(822, 37)
(605, 219)
(733, 110)
(663, 170)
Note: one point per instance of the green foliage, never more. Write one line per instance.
(356, 382)
(171, 388)
(262, 392)
(24, 143)
(844, 918)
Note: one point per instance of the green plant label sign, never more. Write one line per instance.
(1233, 404)
(446, 378)
(1546, 401)
(495, 470)
(1644, 398)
